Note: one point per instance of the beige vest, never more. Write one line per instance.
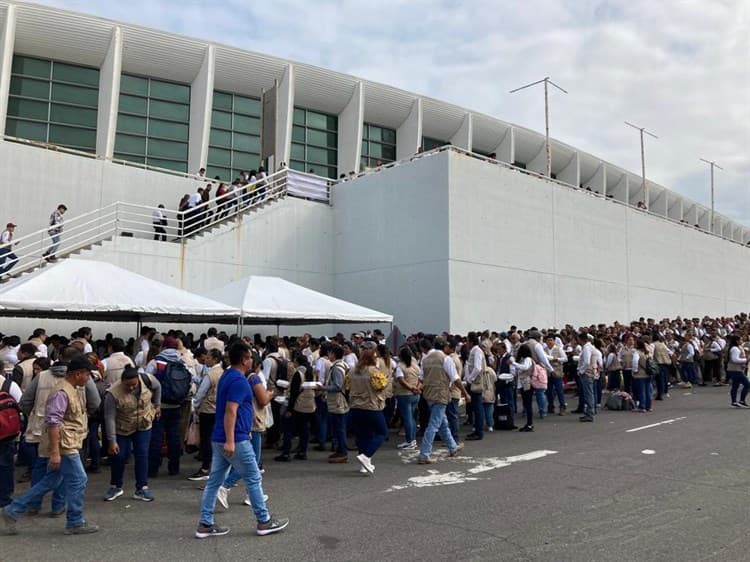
(615, 365)
(661, 354)
(591, 367)
(362, 395)
(133, 413)
(305, 403)
(74, 427)
(436, 383)
(411, 378)
(557, 366)
(388, 372)
(115, 366)
(735, 367)
(640, 372)
(627, 358)
(455, 392)
(46, 384)
(208, 404)
(27, 366)
(336, 401)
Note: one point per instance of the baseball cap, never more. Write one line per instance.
(10, 224)
(80, 364)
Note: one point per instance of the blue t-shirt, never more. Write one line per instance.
(234, 387)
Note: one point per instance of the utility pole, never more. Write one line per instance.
(546, 81)
(713, 165)
(643, 162)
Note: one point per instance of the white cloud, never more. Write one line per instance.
(678, 67)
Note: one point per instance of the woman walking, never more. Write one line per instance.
(641, 378)
(522, 367)
(736, 372)
(406, 389)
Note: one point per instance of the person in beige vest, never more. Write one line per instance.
(451, 411)
(116, 363)
(407, 389)
(736, 371)
(555, 382)
(663, 357)
(63, 435)
(300, 412)
(438, 375)
(386, 365)
(130, 407)
(367, 400)
(23, 372)
(338, 407)
(212, 341)
(204, 403)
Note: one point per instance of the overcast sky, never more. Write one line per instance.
(680, 68)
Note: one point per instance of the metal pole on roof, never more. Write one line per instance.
(546, 81)
(643, 162)
(713, 165)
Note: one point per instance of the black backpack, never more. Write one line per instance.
(175, 382)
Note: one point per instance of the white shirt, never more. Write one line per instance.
(320, 367)
(735, 355)
(475, 364)
(351, 360)
(6, 237)
(541, 357)
(157, 216)
(195, 199)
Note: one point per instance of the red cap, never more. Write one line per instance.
(10, 224)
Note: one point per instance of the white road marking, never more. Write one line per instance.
(655, 424)
(481, 465)
(648, 452)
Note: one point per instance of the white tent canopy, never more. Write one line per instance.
(86, 289)
(274, 300)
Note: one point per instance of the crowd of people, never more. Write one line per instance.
(85, 402)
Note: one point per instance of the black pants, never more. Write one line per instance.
(527, 397)
(298, 423)
(160, 233)
(274, 432)
(205, 427)
(712, 370)
(627, 381)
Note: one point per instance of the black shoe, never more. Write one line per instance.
(550, 409)
(473, 437)
(586, 419)
(319, 448)
(282, 458)
(527, 428)
(300, 456)
(576, 411)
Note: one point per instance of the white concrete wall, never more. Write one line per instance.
(201, 104)
(109, 96)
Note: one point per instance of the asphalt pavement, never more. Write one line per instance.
(673, 484)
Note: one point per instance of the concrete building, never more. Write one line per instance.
(96, 111)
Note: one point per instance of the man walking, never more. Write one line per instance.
(439, 374)
(159, 221)
(7, 258)
(232, 447)
(55, 232)
(66, 428)
(588, 373)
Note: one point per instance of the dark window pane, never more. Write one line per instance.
(168, 164)
(30, 66)
(219, 157)
(317, 120)
(73, 115)
(75, 74)
(130, 157)
(389, 136)
(133, 85)
(363, 162)
(167, 149)
(298, 134)
(168, 110)
(245, 160)
(389, 152)
(222, 101)
(375, 133)
(26, 129)
(317, 155)
(220, 138)
(75, 94)
(131, 124)
(376, 150)
(221, 119)
(365, 149)
(224, 173)
(321, 138)
(130, 144)
(132, 104)
(245, 124)
(248, 106)
(167, 129)
(248, 143)
(298, 151)
(72, 136)
(29, 88)
(299, 116)
(297, 165)
(330, 172)
(169, 91)
(28, 108)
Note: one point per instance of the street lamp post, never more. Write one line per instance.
(643, 162)
(546, 81)
(713, 165)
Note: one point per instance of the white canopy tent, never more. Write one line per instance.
(273, 300)
(87, 289)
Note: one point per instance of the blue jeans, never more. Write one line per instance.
(541, 401)
(244, 462)
(256, 438)
(479, 416)
(555, 387)
(588, 395)
(38, 473)
(321, 419)
(7, 450)
(738, 378)
(369, 429)
(642, 391)
(7, 260)
(507, 393)
(55, 245)
(614, 380)
(169, 422)
(438, 424)
(688, 372)
(94, 445)
(139, 443)
(451, 412)
(661, 380)
(71, 476)
(627, 381)
(338, 432)
(406, 405)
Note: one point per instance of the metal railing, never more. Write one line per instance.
(140, 221)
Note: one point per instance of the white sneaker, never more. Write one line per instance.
(364, 460)
(222, 496)
(411, 446)
(404, 445)
(248, 502)
(363, 470)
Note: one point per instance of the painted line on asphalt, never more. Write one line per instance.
(655, 424)
(480, 466)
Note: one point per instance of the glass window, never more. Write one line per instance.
(315, 142)
(299, 116)
(430, 144)
(234, 141)
(322, 138)
(298, 151)
(316, 120)
(133, 85)
(167, 149)
(167, 110)
(169, 91)
(132, 124)
(53, 102)
(168, 129)
(132, 104)
(130, 157)
(381, 147)
(130, 144)
(298, 134)
(168, 164)
(224, 173)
